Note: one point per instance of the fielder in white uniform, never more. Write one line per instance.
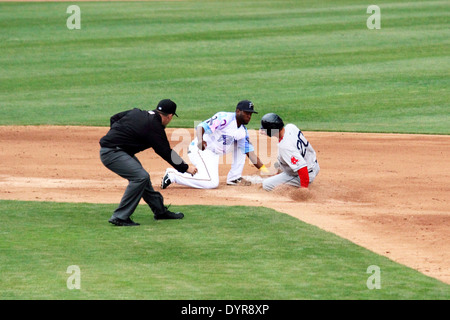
(223, 133)
(296, 156)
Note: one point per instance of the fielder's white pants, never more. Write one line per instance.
(207, 164)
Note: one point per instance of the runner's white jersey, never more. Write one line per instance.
(221, 132)
(294, 151)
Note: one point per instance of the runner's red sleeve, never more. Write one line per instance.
(304, 177)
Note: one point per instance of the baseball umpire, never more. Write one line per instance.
(133, 131)
(296, 156)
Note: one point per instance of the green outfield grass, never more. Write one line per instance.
(214, 253)
(313, 62)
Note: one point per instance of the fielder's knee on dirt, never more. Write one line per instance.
(212, 184)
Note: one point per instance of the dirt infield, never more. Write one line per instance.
(389, 193)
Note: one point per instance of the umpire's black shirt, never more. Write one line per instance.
(136, 130)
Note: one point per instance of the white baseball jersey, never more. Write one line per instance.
(295, 152)
(221, 131)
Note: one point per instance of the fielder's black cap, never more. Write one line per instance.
(167, 106)
(246, 105)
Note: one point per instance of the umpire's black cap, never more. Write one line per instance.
(167, 106)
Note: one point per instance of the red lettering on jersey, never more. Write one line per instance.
(294, 160)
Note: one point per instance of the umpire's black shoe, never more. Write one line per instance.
(169, 215)
(123, 223)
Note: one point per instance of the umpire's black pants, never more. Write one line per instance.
(139, 186)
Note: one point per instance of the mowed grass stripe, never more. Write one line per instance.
(302, 58)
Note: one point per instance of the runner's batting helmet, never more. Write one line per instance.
(271, 121)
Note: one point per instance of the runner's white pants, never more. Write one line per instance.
(283, 178)
(207, 164)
